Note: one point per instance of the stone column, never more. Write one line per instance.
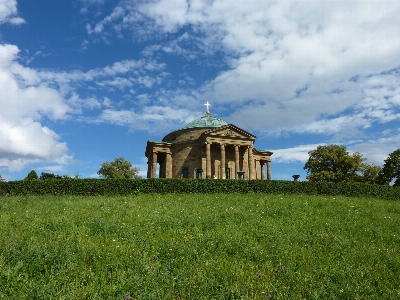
(168, 162)
(269, 177)
(223, 174)
(262, 170)
(148, 168)
(154, 166)
(245, 166)
(208, 160)
(237, 166)
(251, 163)
(257, 170)
(162, 168)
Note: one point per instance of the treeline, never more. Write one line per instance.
(119, 168)
(333, 163)
(32, 175)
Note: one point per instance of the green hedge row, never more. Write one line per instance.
(162, 186)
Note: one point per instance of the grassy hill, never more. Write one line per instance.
(233, 246)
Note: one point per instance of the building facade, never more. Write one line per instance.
(208, 147)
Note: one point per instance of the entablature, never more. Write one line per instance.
(229, 141)
(262, 155)
(155, 146)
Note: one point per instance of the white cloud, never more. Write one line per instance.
(162, 112)
(294, 154)
(84, 45)
(150, 118)
(88, 5)
(17, 21)
(58, 169)
(107, 102)
(89, 103)
(117, 117)
(135, 67)
(8, 12)
(26, 142)
(118, 13)
(118, 82)
(25, 100)
(376, 151)
(27, 96)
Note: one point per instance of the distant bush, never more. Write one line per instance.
(202, 186)
(49, 176)
(32, 175)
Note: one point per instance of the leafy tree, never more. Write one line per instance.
(1, 178)
(391, 169)
(32, 175)
(119, 168)
(46, 176)
(370, 174)
(334, 163)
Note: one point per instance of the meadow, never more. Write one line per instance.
(193, 246)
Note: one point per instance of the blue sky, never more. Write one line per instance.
(85, 81)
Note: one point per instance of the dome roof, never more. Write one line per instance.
(206, 121)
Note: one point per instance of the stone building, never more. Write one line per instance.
(208, 147)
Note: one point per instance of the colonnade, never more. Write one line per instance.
(165, 166)
(252, 165)
(263, 163)
(248, 163)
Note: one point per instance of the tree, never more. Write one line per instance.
(46, 176)
(391, 169)
(119, 168)
(370, 174)
(1, 178)
(334, 163)
(32, 175)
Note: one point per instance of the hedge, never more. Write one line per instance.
(163, 186)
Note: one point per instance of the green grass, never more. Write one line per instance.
(234, 246)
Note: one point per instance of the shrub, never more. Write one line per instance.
(205, 186)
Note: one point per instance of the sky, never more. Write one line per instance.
(83, 82)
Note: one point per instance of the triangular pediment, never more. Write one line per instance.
(229, 130)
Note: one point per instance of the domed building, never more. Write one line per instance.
(208, 147)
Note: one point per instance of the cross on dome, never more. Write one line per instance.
(208, 108)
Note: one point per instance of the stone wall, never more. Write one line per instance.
(186, 155)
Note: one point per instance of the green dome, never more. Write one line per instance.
(206, 121)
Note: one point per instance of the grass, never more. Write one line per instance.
(251, 246)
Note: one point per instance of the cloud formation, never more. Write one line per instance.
(291, 66)
(25, 100)
(28, 96)
(8, 12)
(294, 154)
